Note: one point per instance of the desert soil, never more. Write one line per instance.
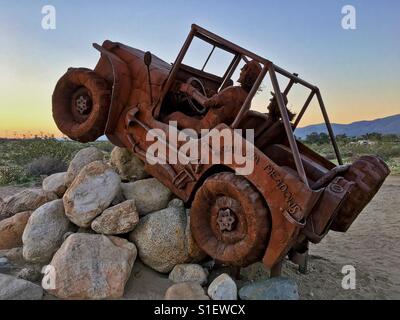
(371, 245)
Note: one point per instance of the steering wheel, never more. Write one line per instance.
(193, 104)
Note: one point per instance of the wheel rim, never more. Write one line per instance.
(81, 104)
(227, 220)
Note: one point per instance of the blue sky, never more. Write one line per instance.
(356, 70)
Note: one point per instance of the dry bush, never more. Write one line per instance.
(45, 165)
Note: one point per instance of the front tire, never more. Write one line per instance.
(229, 220)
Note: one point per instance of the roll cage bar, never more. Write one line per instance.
(267, 66)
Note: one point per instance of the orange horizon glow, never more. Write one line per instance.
(54, 132)
(357, 70)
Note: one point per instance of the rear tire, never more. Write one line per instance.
(368, 173)
(81, 100)
(229, 220)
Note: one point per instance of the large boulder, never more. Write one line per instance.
(129, 167)
(92, 266)
(118, 219)
(222, 288)
(91, 193)
(44, 232)
(278, 288)
(12, 288)
(149, 194)
(25, 200)
(81, 159)
(11, 230)
(188, 273)
(56, 183)
(186, 291)
(160, 238)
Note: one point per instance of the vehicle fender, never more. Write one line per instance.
(121, 87)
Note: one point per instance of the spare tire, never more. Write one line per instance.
(81, 100)
(368, 173)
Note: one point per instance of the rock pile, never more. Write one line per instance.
(80, 235)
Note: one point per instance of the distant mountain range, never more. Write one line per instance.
(387, 125)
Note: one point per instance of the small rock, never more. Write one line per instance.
(222, 288)
(56, 183)
(150, 195)
(118, 198)
(278, 288)
(92, 266)
(91, 192)
(5, 265)
(129, 167)
(186, 291)
(26, 200)
(14, 255)
(81, 159)
(188, 273)
(160, 239)
(119, 219)
(44, 232)
(31, 273)
(12, 288)
(11, 230)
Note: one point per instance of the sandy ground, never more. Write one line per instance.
(371, 245)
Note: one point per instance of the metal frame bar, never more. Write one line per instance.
(289, 75)
(231, 69)
(303, 109)
(329, 127)
(240, 53)
(208, 58)
(225, 44)
(287, 125)
(176, 66)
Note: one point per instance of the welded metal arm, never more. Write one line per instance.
(287, 125)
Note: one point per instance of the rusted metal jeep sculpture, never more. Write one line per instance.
(293, 195)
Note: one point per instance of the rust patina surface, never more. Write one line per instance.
(292, 196)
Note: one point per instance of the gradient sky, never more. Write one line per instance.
(356, 70)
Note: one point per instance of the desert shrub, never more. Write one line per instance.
(12, 174)
(330, 156)
(388, 151)
(103, 146)
(45, 165)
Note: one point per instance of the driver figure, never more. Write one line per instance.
(223, 106)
